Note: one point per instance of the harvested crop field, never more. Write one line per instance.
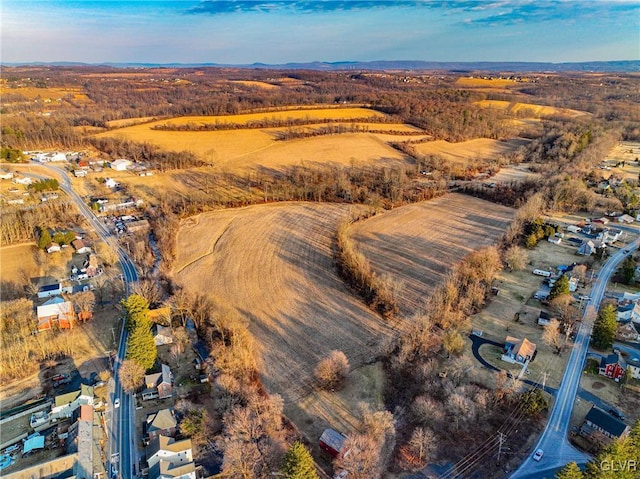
(468, 151)
(247, 149)
(531, 109)
(16, 258)
(418, 244)
(274, 265)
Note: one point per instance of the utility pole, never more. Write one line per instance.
(544, 380)
(501, 441)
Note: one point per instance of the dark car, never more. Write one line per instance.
(616, 413)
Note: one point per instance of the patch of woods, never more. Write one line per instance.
(145, 152)
(20, 224)
(380, 292)
(266, 122)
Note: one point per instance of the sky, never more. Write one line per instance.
(282, 31)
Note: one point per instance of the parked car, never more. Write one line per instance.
(61, 382)
(615, 413)
(116, 403)
(538, 455)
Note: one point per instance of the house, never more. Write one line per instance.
(629, 312)
(138, 226)
(159, 383)
(573, 284)
(79, 173)
(633, 368)
(66, 404)
(610, 367)
(25, 180)
(604, 220)
(332, 442)
(587, 248)
(603, 427)
(554, 240)
(56, 313)
(6, 175)
(169, 459)
(53, 248)
(625, 219)
(111, 183)
(574, 229)
(159, 423)
(518, 350)
(627, 332)
(120, 165)
(92, 268)
(80, 247)
(544, 318)
(49, 290)
(163, 335)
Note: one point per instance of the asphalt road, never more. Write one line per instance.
(553, 441)
(122, 441)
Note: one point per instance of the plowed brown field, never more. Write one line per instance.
(419, 244)
(274, 265)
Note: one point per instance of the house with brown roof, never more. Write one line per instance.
(159, 423)
(56, 313)
(80, 247)
(518, 350)
(53, 248)
(169, 459)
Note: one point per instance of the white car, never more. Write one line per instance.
(538, 455)
(116, 403)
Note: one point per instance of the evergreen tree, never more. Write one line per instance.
(604, 328)
(560, 287)
(141, 347)
(298, 463)
(570, 471)
(136, 311)
(628, 270)
(45, 238)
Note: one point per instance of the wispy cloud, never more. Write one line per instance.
(300, 6)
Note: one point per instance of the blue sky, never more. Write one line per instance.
(280, 31)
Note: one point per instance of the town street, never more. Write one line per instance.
(553, 441)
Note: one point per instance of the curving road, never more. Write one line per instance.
(122, 440)
(553, 441)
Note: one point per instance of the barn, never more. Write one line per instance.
(332, 442)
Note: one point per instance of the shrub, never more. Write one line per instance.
(332, 371)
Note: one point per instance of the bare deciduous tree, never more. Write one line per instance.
(417, 450)
(131, 375)
(332, 371)
(552, 335)
(515, 258)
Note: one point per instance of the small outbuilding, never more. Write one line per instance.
(332, 442)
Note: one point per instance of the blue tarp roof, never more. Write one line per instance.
(32, 443)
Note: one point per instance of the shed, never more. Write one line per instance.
(332, 442)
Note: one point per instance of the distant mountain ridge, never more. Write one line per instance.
(623, 66)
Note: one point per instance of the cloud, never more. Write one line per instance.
(215, 7)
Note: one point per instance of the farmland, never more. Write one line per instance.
(18, 258)
(528, 109)
(274, 265)
(466, 152)
(418, 244)
(249, 148)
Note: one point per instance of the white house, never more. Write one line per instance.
(625, 219)
(168, 459)
(163, 335)
(66, 404)
(49, 290)
(629, 312)
(633, 368)
(574, 229)
(47, 157)
(25, 180)
(120, 165)
(80, 247)
(111, 183)
(53, 248)
(6, 175)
